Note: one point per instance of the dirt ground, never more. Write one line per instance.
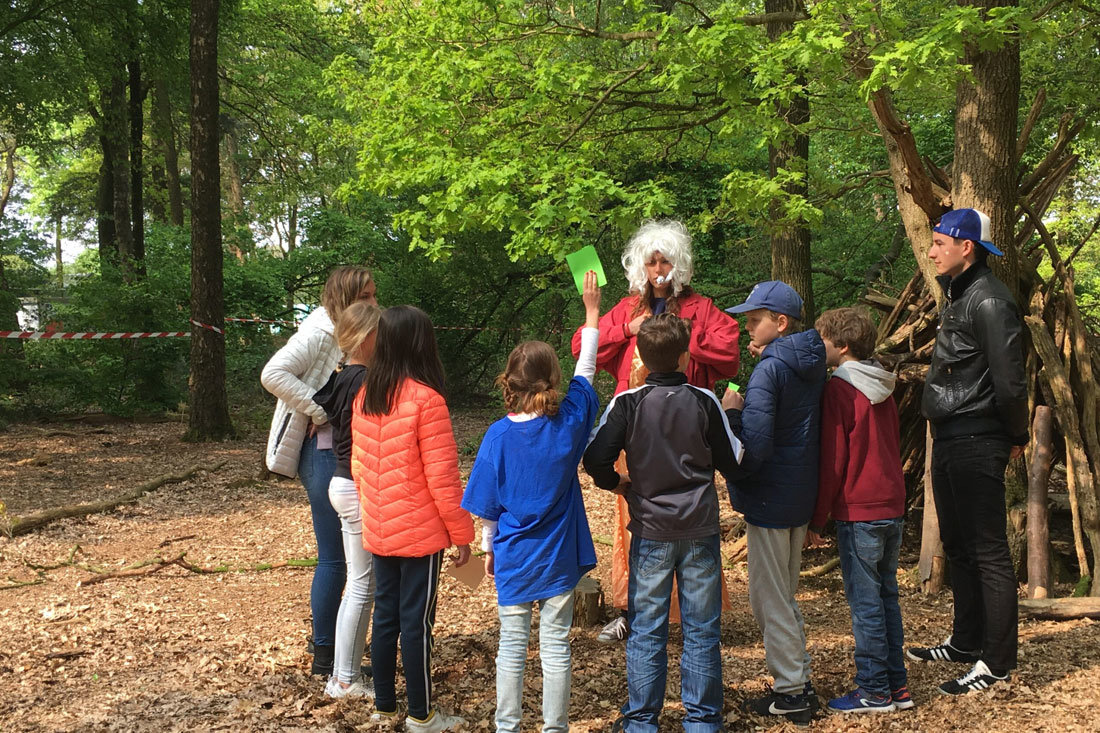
(226, 650)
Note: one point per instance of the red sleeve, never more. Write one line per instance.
(439, 455)
(714, 336)
(833, 465)
(613, 335)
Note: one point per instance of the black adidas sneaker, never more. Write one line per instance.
(978, 679)
(942, 653)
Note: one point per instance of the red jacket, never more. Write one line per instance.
(405, 466)
(714, 351)
(860, 477)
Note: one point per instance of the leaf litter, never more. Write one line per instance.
(177, 650)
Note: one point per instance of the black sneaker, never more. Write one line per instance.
(942, 653)
(811, 694)
(795, 708)
(978, 679)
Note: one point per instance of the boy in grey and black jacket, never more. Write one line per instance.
(675, 436)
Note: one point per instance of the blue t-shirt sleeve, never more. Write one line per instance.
(482, 495)
(581, 405)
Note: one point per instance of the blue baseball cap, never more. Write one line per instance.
(967, 224)
(773, 295)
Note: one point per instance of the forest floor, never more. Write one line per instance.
(179, 650)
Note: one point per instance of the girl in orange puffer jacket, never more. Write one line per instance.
(405, 465)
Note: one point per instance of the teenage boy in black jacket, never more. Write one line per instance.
(975, 397)
(675, 436)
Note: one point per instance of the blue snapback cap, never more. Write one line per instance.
(967, 224)
(773, 295)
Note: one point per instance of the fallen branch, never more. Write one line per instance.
(22, 525)
(22, 583)
(823, 569)
(71, 654)
(1060, 608)
(153, 565)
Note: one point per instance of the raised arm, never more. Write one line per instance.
(590, 334)
(614, 334)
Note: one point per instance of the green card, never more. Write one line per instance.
(583, 260)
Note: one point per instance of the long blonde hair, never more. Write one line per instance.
(356, 323)
(343, 287)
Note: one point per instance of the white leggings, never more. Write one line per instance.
(355, 607)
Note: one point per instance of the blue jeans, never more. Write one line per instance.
(555, 620)
(315, 468)
(869, 562)
(697, 567)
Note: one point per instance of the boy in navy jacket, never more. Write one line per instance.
(780, 422)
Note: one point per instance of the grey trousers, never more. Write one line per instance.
(775, 558)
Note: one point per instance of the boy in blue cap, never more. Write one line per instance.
(779, 424)
(975, 397)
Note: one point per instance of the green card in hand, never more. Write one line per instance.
(583, 260)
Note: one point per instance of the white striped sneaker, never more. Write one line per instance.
(978, 679)
(944, 652)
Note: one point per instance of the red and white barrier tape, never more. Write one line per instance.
(207, 326)
(113, 335)
(90, 335)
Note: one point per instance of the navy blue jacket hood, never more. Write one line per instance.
(781, 430)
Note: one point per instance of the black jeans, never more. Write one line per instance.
(404, 605)
(968, 478)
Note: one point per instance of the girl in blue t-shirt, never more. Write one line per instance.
(535, 534)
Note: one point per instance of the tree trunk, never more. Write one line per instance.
(137, 129)
(234, 187)
(234, 192)
(105, 209)
(9, 175)
(790, 242)
(984, 169)
(116, 139)
(9, 319)
(58, 261)
(166, 136)
(292, 227)
(910, 183)
(1038, 528)
(932, 561)
(209, 407)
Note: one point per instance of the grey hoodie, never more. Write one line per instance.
(868, 377)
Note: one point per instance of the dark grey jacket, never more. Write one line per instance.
(675, 436)
(977, 383)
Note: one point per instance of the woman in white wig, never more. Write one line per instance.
(658, 264)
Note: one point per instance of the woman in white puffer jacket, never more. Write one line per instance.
(300, 440)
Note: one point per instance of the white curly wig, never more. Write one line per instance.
(671, 239)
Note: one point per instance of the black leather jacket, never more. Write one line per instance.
(977, 383)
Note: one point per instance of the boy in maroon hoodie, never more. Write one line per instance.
(860, 484)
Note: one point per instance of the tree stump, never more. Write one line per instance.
(587, 602)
